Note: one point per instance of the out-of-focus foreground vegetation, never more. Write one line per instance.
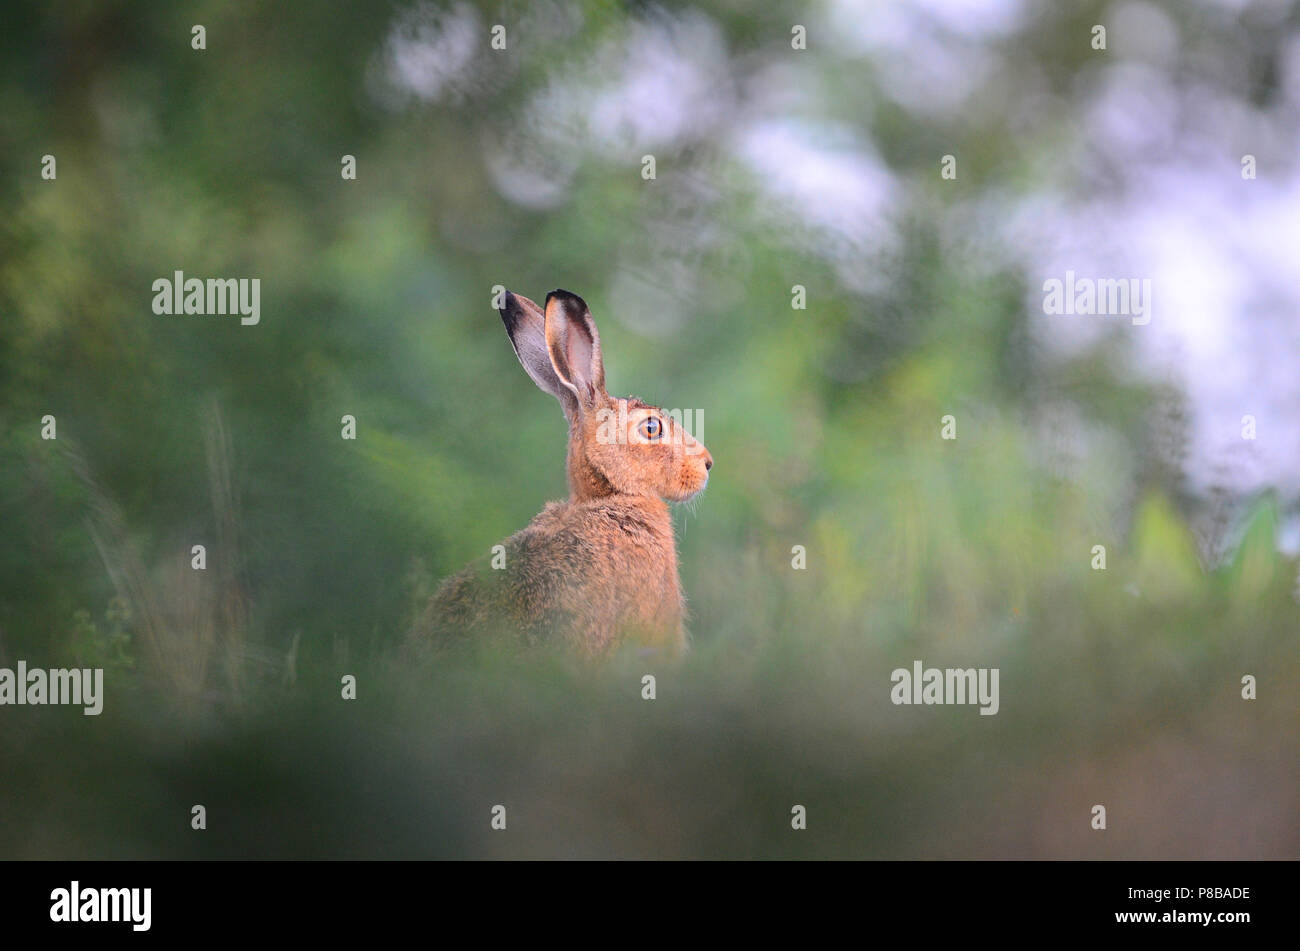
(523, 168)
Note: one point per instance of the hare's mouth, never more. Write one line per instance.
(687, 494)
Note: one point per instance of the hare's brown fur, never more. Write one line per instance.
(600, 569)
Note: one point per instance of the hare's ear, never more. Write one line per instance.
(526, 324)
(574, 346)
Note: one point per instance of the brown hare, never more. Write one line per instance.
(599, 570)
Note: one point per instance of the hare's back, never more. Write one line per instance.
(601, 566)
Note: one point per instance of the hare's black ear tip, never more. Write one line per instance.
(509, 309)
(567, 298)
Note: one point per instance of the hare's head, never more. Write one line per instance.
(616, 445)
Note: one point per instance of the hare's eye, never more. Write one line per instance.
(651, 428)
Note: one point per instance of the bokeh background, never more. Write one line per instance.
(775, 167)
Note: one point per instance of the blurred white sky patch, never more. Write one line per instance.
(438, 51)
(1236, 6)
(672, 84)
(1142, 31)
(1290, 79)
(931, 54)
(429, 54)
(1136, 109)
(662, 83)
(1152, 188)
(821, 174)
(871, 24)
(1221, 254)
